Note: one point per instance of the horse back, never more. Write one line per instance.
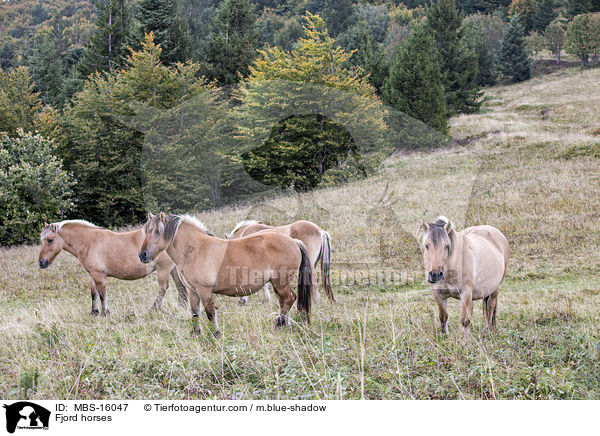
(490, 252)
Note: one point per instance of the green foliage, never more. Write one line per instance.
(107, 48)
(536, 43)
(414, 85)
(514, 63)
(544, 14)
(302, 146)
(555, 38)
(458, 63)
(483, 34)
(299, 152)
(101, 150)
(19, 104)
(583, 38)
(577, 7)
(33, 187)
(367, 54)
(526, 10)
(164, 19)
(46, 68)
(232, 42)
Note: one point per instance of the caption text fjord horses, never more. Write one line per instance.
(317, 241)
(209, 265)
(468, 265)
(103, 253)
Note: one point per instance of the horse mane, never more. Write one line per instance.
(174, 221)
(240, 225)
(438, 234)
(59, 226)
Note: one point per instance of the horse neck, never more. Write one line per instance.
(457, 248)
(74, 242)
(186, 232)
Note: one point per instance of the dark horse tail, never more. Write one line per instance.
(305, 282)
(325, 256)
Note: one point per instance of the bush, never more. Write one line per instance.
(33, 187)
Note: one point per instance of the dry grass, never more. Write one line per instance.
(381, 340)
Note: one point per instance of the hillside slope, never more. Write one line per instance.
(525, 166)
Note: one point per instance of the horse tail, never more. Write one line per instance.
(325, 256)
(305, 281)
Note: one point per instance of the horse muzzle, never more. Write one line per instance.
(43, 263)
(145, 257)
(434, 277)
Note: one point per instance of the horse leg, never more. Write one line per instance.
(100, 280)
(94, 292)
(209, 307)
(492, 300)
(443, 312)
(163, 285)
(183, 296)
(266, 294)
(466, 299)
(286, 299)
(195, 307)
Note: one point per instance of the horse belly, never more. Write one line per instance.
(489, 274)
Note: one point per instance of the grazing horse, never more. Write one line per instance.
(209, 265)
(103, 253)
(317, 241)
(468, 265)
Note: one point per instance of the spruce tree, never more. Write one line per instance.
(414, 85)
(544, 14)
(163, 18)
(232, 42)
(46, 69)
(514, 63)
(107, 48)
(458, 63)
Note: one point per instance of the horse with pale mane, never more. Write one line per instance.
(467, 265)
(209, 265)
(317, 241)
(103, 253)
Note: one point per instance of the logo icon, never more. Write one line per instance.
(26, 415)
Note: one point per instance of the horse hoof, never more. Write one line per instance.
(95, 312)
(217, 334)
(241, 302)
(280, 322)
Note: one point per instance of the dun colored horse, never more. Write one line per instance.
(209, 265)
(103, 253)
(468, 265)
(317, 241)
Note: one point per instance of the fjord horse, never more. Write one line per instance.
(209, 265)
(317, 241)
(468, 265)
(103, 253)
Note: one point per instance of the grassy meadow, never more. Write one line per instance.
(527, 164)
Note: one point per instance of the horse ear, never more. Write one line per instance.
(425, 227)
(53, 227)
(448, 227)
(150, 216)
(162, 217)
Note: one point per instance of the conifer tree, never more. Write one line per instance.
(164, 20)
(514, 63)
(232, 42)
(46, 69)
(414, 85)
(107, 48)
(458, 63)
(544, 14)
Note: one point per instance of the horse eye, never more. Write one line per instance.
(50, 241)
(156, 232)
(447, 247)
(426, 246)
